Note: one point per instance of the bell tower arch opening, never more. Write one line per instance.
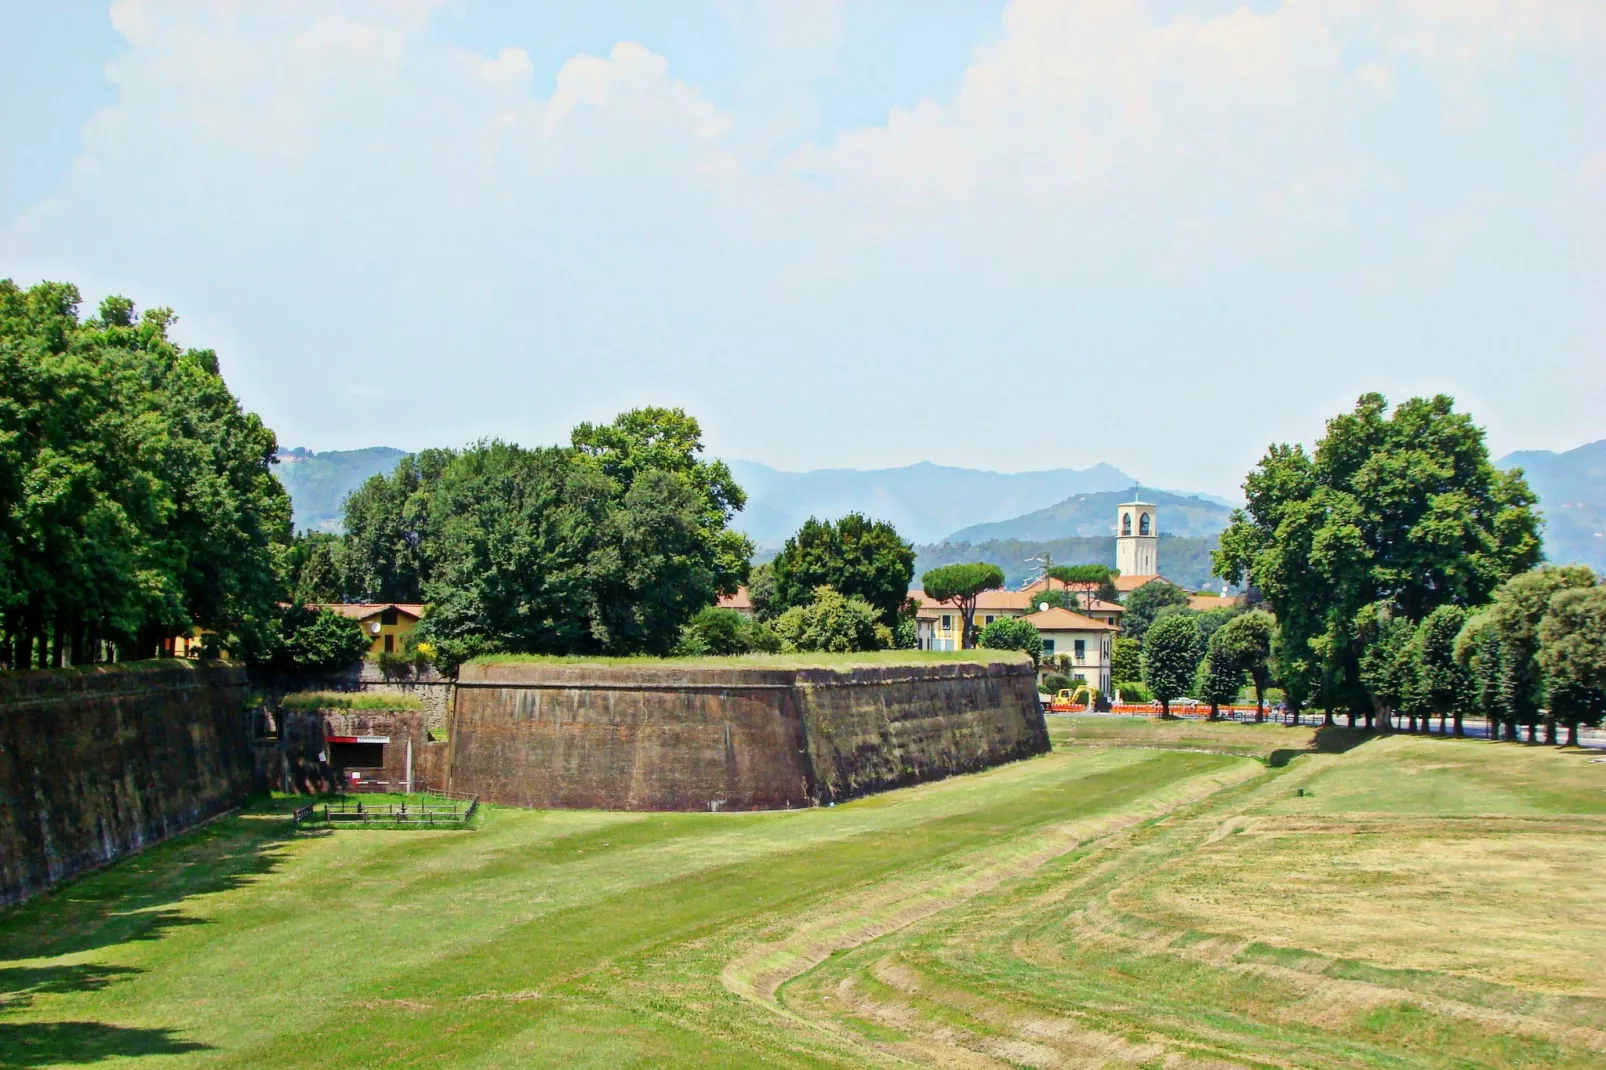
(1137, 552)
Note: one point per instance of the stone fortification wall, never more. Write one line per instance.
(429, 687)
(668, 736)
(96, 763)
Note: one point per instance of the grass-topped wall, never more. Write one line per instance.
(759, 732)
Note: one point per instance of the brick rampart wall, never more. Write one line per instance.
(97, 763)
(675, 737)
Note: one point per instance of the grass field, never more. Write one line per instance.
(1254, 899)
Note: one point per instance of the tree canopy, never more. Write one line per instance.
(1572, 654)
(1089, 581)
(1245, 641)
(959, 585)
(1171, 653)
(1012, 633)
(137, 499)
(832, 622)
(610, 546)
(1401, 509)
(1144, 605)
(855, 556)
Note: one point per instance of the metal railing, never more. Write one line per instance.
(434, 808)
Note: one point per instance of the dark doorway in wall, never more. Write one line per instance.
(357, 755)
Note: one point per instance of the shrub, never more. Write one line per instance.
(349, 700)
(1054, 683)
(1133, 691)
(309, 639)
(830, 623)
(712, 631)
(1012, 633)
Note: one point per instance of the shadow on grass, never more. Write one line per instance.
(1329, 739)
(59, 1043)
(139, 898)
(20, 984)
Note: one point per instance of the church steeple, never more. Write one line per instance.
(1137, 538)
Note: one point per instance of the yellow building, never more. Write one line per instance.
(1085, 641)
(385, 623)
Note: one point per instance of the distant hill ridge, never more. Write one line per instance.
(1090, 515)
(319, 482)
(1572, 495)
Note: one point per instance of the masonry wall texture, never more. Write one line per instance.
(309, 765)
(97, 763)
(680, 737)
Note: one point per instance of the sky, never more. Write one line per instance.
(1160, 234)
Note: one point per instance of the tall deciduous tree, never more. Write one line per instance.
(1400, 508)
(959, 585)
(855, 556)
(1126, 660)
(1171, 652)
(1246, 641)
(1144, 605)
(136, 498)
(1572, 653)
(1444, 685)
(1518, 609)
(384, 556)
(1222, 679)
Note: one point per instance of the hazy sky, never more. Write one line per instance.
(1007, 235)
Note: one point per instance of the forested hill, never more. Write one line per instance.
(1572, 496)
(1094, 514)
(923, 501)
(319, 482)
(1185, 561)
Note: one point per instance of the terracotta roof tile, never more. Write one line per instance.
(1063, 620)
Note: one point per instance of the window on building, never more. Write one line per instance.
(388, 616)
(1126, 523)
(947, 622)
(1048, 647)
(1080, 649)
(1143, 524)
(989, 619)
(390, 644)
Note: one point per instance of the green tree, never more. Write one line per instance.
(1572, 654)
(831, 623)
(1144, 605)
(1220, 681)
(1400, 508)
(1171, 653)
(1126, 660)
(305, 639)
(1445, 686)
(1518, 609)
(1246, 641)
(1012, 633)
(959, 585)
(723, 632)
(311, 569)
(385, 551)
(666, 443)
(858, 557)
(1477, 652)
(1087, 581)
(138, 499)
(1386, 662)
(761, 591)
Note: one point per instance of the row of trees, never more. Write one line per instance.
(137, 500)
(1402, 569)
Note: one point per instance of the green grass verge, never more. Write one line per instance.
(350, 700)
(773, 661)
(1425, 903)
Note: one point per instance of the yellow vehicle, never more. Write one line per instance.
(1069, 700)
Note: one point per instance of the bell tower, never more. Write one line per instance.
(1137, 538)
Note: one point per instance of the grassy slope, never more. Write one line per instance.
(1110, 904)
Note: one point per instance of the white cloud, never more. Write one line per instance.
(354, 198)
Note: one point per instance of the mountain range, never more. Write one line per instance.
(1572, 496)
(319, 482)
(1016, 515)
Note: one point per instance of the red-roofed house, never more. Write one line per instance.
(1086, 642)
